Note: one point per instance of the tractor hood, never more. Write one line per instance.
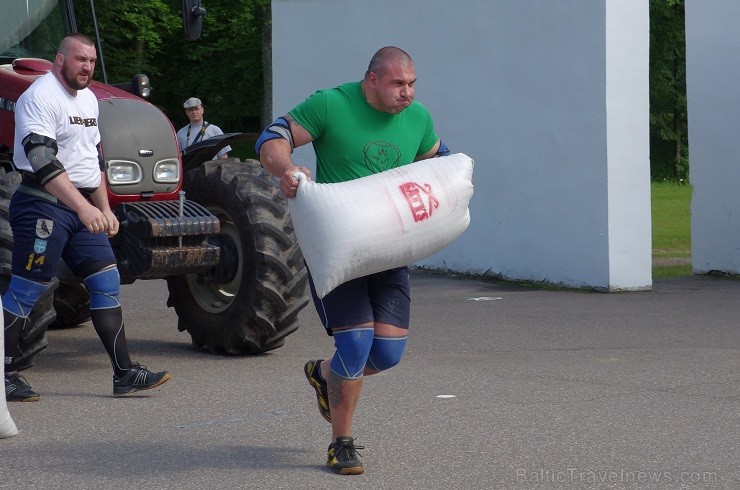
(139, 147)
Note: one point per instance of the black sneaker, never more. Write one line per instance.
(312, 370)
(17, 389)
(342, 457)
(138, 378)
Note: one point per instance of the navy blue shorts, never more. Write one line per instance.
(384, 297)
(44, 232)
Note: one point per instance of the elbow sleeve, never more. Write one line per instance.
(42, 154)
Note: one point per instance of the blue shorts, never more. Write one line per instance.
(44, 232)
(384, 297)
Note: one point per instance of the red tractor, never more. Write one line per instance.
(217, 230)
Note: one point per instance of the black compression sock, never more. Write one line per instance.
(109, 327)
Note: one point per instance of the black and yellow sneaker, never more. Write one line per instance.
(17, 389)
(343, 457)
(312, 370)
(138, 378)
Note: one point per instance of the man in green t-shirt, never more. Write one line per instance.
(357, 129)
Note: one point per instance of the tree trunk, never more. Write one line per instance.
(266, 110)
(139, 55)
(677, 143)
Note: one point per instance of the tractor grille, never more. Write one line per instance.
(162, 219)
(156, 241)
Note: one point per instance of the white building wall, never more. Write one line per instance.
(712, 86)
(549, 97)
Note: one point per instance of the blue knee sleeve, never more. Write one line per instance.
(22, 294)
(104, 287)
(353, 347)
(386, 352)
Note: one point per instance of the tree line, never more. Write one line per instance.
(228, 67)
(669, 136)
(224, 68)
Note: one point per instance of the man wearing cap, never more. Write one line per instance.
(198, 129)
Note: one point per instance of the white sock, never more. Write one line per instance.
(7, 427)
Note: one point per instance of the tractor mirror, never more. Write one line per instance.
(192, 18)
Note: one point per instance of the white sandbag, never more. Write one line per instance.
(390, 219)
(7, 426)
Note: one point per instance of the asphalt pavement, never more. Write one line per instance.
(502, 386)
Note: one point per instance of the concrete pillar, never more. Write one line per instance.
(712, 75)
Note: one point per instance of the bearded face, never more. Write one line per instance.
(75, 65)
(77, 78)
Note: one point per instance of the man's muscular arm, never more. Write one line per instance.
(63, 189)
(100, 199)
(438, 150)
(275, 156)
(42, 155)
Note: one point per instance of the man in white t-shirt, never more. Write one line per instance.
(198, 129)
(61, 211)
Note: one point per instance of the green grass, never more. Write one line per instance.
(671, 216)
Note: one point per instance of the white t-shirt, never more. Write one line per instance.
(187, 135)
(46, 108)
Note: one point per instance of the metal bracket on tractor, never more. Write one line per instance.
(161, 238)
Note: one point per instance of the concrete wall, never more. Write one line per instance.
(549, 97)
(713, 84)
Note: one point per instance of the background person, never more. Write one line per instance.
(61, 211)
(198, 129)
(357, 129)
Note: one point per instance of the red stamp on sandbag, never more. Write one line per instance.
(421, 199)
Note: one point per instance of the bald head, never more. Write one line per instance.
(387, 56)
(389, 81)
(69, 40)
(75, 62)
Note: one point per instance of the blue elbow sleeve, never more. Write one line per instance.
(279, 129)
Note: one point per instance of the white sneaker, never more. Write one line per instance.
(8, 428)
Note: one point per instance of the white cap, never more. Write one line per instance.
(192, 102)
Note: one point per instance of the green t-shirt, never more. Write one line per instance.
(352, 139)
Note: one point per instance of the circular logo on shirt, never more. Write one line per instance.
(44, 228)
(381, 155)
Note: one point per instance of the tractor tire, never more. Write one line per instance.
(33, 337)
(251, 301)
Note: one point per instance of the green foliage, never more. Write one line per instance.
(669, 157)
(223, 68)
(132, 34)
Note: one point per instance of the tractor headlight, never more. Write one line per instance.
(167, 171)
(123, 172)
(141, 86)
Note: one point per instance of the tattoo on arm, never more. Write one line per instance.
(291, 120)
